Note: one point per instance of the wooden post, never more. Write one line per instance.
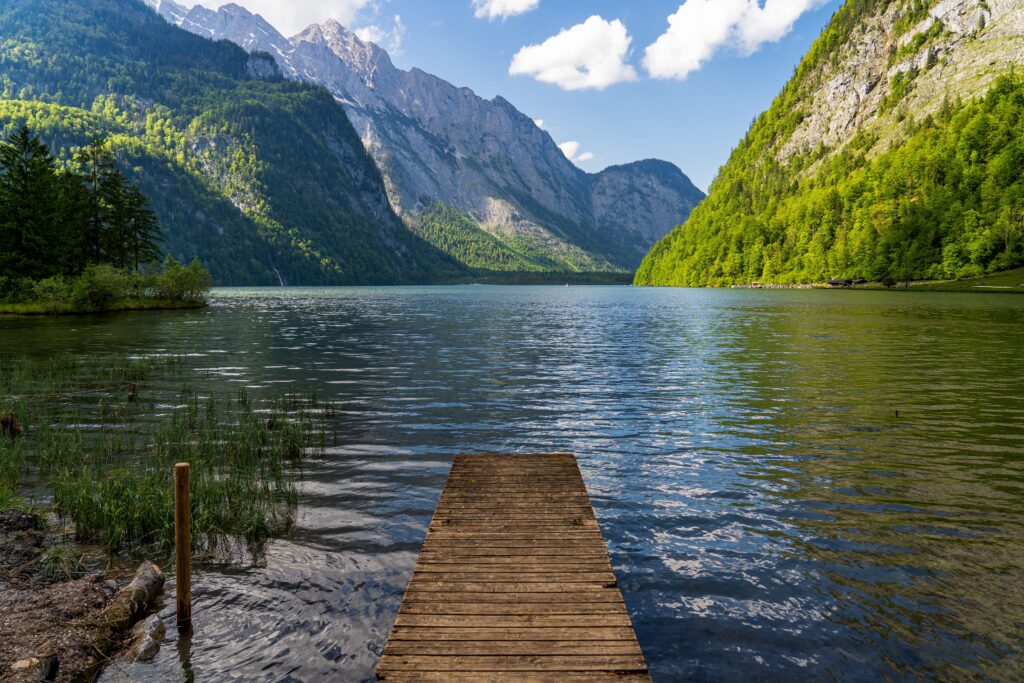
(182, 546)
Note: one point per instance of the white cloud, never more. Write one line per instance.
(699, 28)
(571, 150)
(292, 16)
(539, 123)
(502, 9)
(588, 55)
(389, 39)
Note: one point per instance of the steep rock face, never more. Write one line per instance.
(893, 153)
(954, 49)
(210, 133)
(643, 188)
(436, 142)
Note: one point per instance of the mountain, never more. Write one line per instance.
(895, 152)
(263, 178)
(437, 144)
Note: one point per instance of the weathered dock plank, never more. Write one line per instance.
(513, 583)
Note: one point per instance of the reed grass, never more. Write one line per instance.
(61, 373)
(8, 477)
(108, 456)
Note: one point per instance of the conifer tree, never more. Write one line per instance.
(144, 230)
(73, 214)
(54, 222)
(97, 164)
(116, 220)
(28, 216)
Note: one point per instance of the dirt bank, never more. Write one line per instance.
(54, 625)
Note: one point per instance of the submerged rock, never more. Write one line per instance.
(10, 426)
(146, 638)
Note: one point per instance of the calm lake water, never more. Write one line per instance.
(793, 485)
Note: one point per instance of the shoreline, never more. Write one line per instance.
(63, 615)
(37, 310)
(923, 287)
(1003, 282)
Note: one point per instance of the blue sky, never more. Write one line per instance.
(688, 100)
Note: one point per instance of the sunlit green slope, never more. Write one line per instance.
(896, 151)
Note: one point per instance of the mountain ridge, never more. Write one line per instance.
(434, 141)
(210, 133)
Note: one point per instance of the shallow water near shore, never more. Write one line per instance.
(793, 485)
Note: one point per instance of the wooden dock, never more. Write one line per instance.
(513, 583)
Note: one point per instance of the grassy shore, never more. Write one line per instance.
(95, 437)
(121, 305)
(102, 435)
(1009, 281)
(1005, 282)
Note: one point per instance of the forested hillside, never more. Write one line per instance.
(262, 178)
(455, 233)
(894, 153)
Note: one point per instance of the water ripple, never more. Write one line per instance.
(793, 485)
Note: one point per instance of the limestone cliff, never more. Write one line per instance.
(943, 50)
(435, 142)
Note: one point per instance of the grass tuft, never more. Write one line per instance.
(61, 563)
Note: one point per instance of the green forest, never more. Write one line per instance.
(265, 179)
(57, 222)
(81, 238)
(457, 235)
(945, 202)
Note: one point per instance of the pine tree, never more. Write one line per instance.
(74, 212)
(97, 164)
(28, 216)
(144, 230)
(59, 222)
(116, 220)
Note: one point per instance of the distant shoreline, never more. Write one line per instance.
(37, 310)
(543, 278)
(1005, 282)
(921, 286)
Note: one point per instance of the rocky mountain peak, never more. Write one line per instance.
(231, 22)
(233, 9)
(312, 34)
(169, 9)
(436, 142)
(362, 56)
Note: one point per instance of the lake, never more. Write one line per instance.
(794, 485)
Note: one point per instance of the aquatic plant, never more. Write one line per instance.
(244, 477)
(8, 476)
(108, 458)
